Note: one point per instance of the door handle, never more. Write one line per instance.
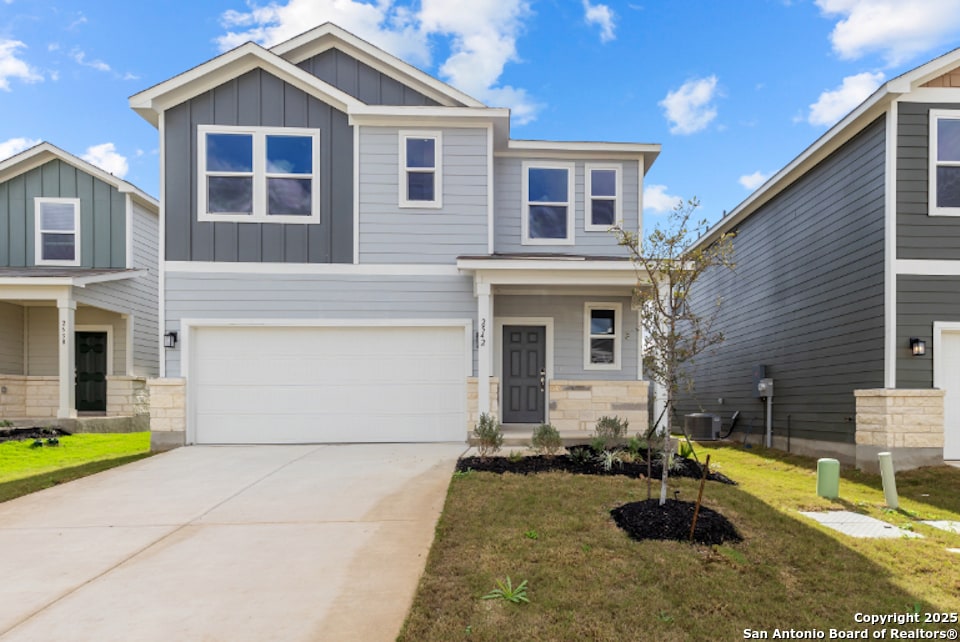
(543, 379)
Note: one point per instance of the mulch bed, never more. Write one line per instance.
(587, 465)
(648, 520)
(20, 434)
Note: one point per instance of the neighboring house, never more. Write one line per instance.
(846, 258)
(78, 288)
(349, 245)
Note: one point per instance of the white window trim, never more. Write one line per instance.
(525, 202)
(935, 116)
(437, 170)
(260, 175)
(617, 335)
(38, 231)
(588, 224)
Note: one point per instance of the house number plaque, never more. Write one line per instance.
(483, 332)
(63, 333)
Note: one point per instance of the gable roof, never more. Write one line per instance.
(328, 36)
(45, 152)
(852, 124)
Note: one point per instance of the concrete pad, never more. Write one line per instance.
(227, 543)
(857, 525)
(953, 527)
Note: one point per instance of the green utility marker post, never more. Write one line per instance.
(828, 478)
(889, 481)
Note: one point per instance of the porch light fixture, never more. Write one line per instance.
(918, 347)
(170, 340)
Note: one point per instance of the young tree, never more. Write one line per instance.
(668, 264)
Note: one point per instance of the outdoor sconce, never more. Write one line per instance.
(170, 340)
(918, 347)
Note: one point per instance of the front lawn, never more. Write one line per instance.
(588, 581)
(25, 469)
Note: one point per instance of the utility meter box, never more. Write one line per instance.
(759, 374)
(765, 388)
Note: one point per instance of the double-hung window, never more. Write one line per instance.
(421, 177)
(258, 174)
(603, 208)
(944, 162)
(548, 205)
(57, 231)
(602, 335)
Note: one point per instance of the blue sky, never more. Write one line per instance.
(732, 90)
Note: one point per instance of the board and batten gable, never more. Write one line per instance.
(362, 81)
(258, 98)
(102, 215)
(393, 234)
(508, 173)
(806, 300)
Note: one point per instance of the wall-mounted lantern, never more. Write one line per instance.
(918, 347)
(170, 340)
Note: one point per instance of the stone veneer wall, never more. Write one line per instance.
(42, 398)
(168, 413)
(473, 415)
(127, 396)
(13, 400)
(576, 405)
(906, 423)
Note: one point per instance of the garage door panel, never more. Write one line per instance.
(328, 384)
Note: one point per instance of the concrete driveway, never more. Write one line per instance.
(226, 543)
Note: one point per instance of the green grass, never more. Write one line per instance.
(588, 581)
(25, 470)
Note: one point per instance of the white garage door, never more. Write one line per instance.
(329, 384)
(950, 365)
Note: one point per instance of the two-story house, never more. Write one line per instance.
(847, 287)
(355, 251)
(78, 289)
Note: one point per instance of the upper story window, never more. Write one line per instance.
(603, 205)
(602, 334)
(944, 162)
(57, 231)
(258, 174)
(421, 182)
(548, 208)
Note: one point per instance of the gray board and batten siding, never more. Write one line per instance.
(393, 234)
(806, 300)
(102, 215)
(508, 172)
(362, 81)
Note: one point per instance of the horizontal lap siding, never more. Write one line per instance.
(919, 235)
(391, 234)
(246, 296)
(806, 300)
(568, 320)
(508, 174)
(102, 215)
(921, 300)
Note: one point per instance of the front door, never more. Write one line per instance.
(524, 374)
(92, 371)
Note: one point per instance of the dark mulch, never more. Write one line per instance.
(648, 520)
(589, 465)
(20, 434)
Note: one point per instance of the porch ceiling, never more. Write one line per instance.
(552, 270)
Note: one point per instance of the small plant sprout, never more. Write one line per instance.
(515, 456)
(506, 591)
(460, 474)
(608, 458)
(532, 534)
(489, 435)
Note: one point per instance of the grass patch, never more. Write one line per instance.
(587, 580)
(25, 470)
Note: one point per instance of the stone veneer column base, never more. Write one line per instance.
(577, 405)
(13, 396)
(906, 423)
(168, 415)
(473, 414)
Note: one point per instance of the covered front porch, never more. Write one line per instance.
(558, 341)
(61, 358)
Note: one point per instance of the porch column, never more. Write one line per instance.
(484, 345)
(66, 339)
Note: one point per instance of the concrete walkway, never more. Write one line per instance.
(226, 543)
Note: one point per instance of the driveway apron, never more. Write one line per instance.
(226, 543)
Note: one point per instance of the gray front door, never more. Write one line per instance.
(91, 364)
(524, 375)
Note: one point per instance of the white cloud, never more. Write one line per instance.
(13, 146)
(834, 105)
(105, 157)
(80, 57)
(655, 198)
(13, 67)
(897, 29)
(755, 180)
(690, 108)
(481, 41)
(602, 16)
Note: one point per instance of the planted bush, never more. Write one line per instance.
(608, 431)
(489, 435)
(546, 439)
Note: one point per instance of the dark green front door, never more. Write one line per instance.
(524, 376)
(92, 371)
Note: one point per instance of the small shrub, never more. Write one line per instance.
(489, 435)
(598, 444)
(608, 458)
(546, 439)
(636, 446)
(580, 455)
(610, 430)
(686, 450)
(515, 456)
